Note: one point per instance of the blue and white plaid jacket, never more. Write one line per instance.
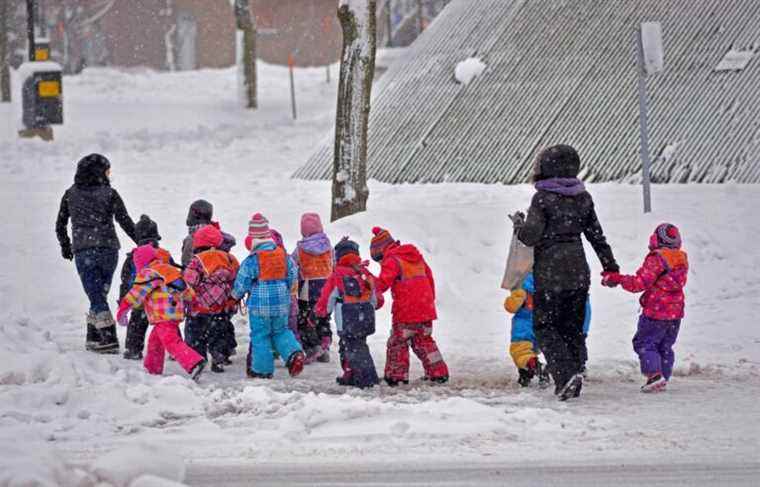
(265, 298)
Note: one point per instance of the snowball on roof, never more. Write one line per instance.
(468, 69)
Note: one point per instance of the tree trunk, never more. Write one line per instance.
(247, 23)
(357, 69)
(5, 74)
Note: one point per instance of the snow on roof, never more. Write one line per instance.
(565, 72)
(735, 60)
(468, 70)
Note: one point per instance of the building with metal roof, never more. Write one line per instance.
(565, 71)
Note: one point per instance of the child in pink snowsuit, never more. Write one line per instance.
(662, 279)
(161, 291)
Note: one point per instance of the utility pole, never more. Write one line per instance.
(31, 6)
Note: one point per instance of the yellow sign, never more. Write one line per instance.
(49, 89)
(41, 54)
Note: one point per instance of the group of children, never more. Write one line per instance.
(289, 300)
(661, 279)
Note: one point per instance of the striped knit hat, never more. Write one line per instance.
(666, 235)
(258, 227)
(380, 241)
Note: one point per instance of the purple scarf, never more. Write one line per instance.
(563, 186)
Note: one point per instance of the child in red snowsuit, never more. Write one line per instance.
(662, 279)
(160, 290)
(405, 273)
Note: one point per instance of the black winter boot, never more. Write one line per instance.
(108, 344)
(93, 337)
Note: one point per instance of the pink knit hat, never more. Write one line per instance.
(143, 255)
(258, 227)
(311, 224)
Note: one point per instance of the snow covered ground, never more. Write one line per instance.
(173, 138)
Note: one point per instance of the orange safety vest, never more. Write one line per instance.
(168, 272)
(364, 297)
(674, 259)
(273, 264)
(315, 266)
(411, 270)
(213, 260)
(163, 255)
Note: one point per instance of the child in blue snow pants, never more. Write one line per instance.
(267, 276)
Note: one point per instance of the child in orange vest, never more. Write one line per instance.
(350, 293)
(267, 276)
(315, 261)
(160, 290)
(211, 274)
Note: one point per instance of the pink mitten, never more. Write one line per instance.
(122, 314)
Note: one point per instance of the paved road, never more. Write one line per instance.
(694, 475)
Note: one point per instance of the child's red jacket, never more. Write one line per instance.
(405, 273)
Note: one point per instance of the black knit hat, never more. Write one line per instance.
(558, 161)
(146, 230)
(201, 212)
(91, 170)
(346, 246)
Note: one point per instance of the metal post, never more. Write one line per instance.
(30, 7)
(291, 64)
(389, 18)
(644, 127)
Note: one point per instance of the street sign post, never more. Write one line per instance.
(650, 61)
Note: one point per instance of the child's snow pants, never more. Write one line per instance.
(268, 332)
(653, 343)
(136, 331)
(311, 328)
(356, 361)
(420, 337)
(165, 338)
(522, 352)
(208, 334)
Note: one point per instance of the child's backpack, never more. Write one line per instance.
(357, 308)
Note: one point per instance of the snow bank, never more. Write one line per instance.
(467, 70)
(130, 465)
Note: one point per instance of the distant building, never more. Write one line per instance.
(565, 72)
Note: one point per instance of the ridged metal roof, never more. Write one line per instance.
(564, 71)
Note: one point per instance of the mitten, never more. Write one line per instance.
(515, 301)
(518, 220)
(122, 314)
(66, 252)
(611, 279)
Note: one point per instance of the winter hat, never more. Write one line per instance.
(146, 230)
(311, 224)
(200, 213)
(381, 240)
(143, 255)
(208, 236)
(346, 246)
(665, 235)
(258, 227)
(557, 161)
(91, 170)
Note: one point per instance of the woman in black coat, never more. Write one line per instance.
(92, 205)
(562, 210)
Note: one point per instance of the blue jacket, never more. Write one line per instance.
(265, 298)
(522, 322)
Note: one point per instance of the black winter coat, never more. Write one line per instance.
(553, 227)
(92, 205)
